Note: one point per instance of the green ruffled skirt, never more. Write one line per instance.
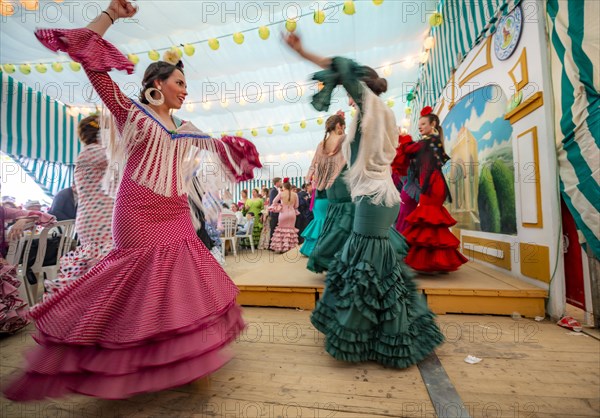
(336, 228)
(371, 309)
(314, 228)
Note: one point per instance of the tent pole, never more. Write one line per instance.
(594, 266)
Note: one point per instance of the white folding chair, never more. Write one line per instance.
(21, 247)
(66, 231)
(229, 223)
(249, 235)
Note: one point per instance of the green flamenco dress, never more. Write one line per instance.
(336, 228)
(254, 206)
(371, 309)
(314, 228)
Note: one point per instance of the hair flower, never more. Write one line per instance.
(426, 111)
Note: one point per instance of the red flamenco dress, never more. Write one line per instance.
(433, 248)
(158, 311)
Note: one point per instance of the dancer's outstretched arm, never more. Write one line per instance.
(295, 43)
(116, 10)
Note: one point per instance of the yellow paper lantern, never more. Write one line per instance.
(429, 42)
(390, 102)
(6, 8)
(291, 25)
(270, 130)
(408, 111)
(254, 132)
(303, 124)
(264, 32)
(286, 127)
(41, 68)
(8, 68)
(177, 50)
(436, 19)
(133, 58)
(30, 4)
(74, 66)
(189, 50)
(320, 121)
(239, 133)
(319, 17)
(223, 134)
(153, 55)
(25, 68)
(377, 2)
(238, 38)
(213, 43)
(387, 70)
(349, 8)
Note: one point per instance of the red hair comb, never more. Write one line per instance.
(426, 111)
(286, 180)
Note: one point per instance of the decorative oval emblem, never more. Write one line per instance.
(508, 33)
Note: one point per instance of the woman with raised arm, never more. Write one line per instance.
(158, 310)
(371, 309)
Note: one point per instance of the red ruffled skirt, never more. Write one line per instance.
(433, 248)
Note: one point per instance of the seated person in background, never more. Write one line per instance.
(64, 205)
(226, 211)
(239, 215)
(33, 205)
(247, 227)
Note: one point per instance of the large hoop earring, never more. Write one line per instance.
(435, 131)
(152, 100)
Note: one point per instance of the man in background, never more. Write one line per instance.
(64, 205)
(306, 214)
(272, 195)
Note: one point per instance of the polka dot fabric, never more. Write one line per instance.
(94, 219)
(156, 312)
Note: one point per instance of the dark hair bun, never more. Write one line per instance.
(380, 85)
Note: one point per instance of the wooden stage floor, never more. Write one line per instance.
(282, 280)
(280, 369)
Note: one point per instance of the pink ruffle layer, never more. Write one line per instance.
(284, 239)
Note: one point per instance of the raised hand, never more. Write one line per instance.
(293, 41)
(121, 9)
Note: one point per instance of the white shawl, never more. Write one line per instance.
(371, 173)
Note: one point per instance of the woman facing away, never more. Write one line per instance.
(158, 310)
(326, 166)
(285, 236)
(93, 223)
(371, 309)
(433, 248)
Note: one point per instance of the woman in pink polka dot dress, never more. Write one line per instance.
(158, 310)
(94, 209)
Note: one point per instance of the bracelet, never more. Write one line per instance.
(109, 16)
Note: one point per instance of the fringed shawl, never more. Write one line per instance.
(171, 159)
(326, 167)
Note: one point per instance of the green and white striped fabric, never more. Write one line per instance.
(466, 23)
(574, 31)
(34, 127)
(51, 176)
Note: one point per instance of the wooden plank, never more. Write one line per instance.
(277, 299)
(528, 307)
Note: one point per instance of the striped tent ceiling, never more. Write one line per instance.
(376, 35)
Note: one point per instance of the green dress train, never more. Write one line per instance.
(336, 228)
(371, 309)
